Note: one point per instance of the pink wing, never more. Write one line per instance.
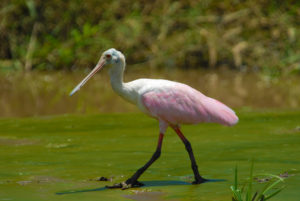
(181, 104)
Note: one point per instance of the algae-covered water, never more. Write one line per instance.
(60, 157)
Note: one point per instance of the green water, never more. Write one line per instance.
(58, 158)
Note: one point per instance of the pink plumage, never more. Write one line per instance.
(181, 104)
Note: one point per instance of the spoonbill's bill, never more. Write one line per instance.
(171, 103)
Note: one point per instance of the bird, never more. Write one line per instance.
(171, 103)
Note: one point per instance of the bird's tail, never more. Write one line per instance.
(220, 113)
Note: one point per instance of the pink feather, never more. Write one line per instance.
(181, 104)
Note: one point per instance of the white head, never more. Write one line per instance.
(110, 56)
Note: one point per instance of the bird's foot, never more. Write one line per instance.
(125, 185)
(200, 181)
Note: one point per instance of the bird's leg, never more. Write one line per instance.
(133, 181)
(198, 178)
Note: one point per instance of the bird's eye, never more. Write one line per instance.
(108, 56)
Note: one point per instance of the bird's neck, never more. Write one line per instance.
(116, 73)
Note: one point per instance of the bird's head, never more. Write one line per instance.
(110, 56)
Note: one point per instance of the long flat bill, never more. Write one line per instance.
(93, 72)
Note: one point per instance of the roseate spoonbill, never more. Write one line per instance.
(171, 103)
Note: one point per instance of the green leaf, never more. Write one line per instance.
(235, 177)
(272, 175)
(269, 186)
(249, 192)
(274, 193)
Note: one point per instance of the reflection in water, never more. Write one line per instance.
(47, 93)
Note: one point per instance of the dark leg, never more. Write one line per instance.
(133, 181)
(198, 178)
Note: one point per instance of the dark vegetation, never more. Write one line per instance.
(250, 35)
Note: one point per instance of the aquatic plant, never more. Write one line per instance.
(246, 193)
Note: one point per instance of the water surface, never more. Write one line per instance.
(59, 157)
(38, 93)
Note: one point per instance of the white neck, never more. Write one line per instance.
(116, 80)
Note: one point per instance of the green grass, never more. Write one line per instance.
(43, 156)
(266, 192)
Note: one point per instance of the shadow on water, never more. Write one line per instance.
(81, 191)
(174, 183)
(147, 184)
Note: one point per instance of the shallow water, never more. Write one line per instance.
(59, 157)
(39, 93)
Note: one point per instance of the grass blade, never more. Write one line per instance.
(269, 186)
(272, 175)
(274, 193)
(237, 195)
(235, 177)
(249, 192)
(254, 196)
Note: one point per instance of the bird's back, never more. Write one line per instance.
(178, 103)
